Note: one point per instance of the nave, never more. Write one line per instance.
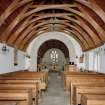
(55, 94)
(39, 38)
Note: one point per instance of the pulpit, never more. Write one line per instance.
(69, 67)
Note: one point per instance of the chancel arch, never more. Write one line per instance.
(53, 53)
(72, 45)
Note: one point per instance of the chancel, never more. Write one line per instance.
(52, 52)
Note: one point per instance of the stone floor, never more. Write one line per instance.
(55, 94)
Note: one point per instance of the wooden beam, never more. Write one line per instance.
(9, 29)
(94, 7)
(19, 39)
(15, 35)
(54, 6)
(12, 7)
(90, 32)
(94, 24)
(69, 18)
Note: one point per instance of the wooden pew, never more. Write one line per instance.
(84, 80)
(13, 72)
(93, 99)
(39, 77)
(71, 77)
(67, 74)
(21, 97)
(33, 87)
(79, 78)
(83, 89)
(27, 78)
(23, 77)
(22, 81)
(43, 75)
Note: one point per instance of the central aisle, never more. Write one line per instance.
(55, 94)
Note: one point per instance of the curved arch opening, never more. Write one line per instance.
(73, 47)
(53, 54)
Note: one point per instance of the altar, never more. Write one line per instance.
(54, 68)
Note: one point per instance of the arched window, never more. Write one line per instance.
(54, 56)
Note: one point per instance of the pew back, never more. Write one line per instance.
(23, 95)
(81, 89)
(93, 99)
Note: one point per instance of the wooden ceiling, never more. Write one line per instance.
(23, 20)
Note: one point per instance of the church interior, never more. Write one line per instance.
(52, 52)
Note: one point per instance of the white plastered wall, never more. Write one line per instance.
(96, 59)
(7, 60)
(72, 45)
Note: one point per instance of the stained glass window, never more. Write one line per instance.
(54, 56)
